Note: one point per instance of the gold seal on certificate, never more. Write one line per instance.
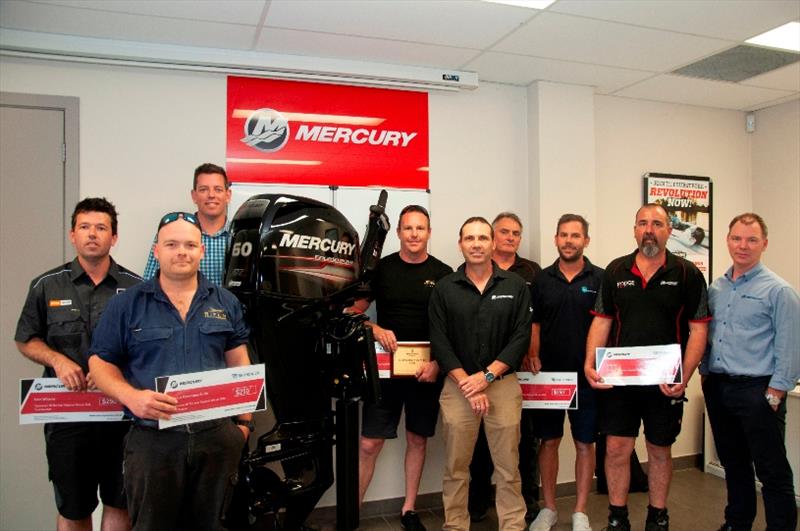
(409, 356)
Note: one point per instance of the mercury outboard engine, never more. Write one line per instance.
(296, 264)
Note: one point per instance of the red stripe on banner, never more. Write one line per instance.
(214, 396)
(561, 393)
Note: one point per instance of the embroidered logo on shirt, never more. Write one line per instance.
(213, 313)
(55, 303)
(669, 283)
(626, 284)
(585, 289)
(429, 283)
(502, 297)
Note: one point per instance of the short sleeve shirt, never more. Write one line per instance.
(63, 308)
(654, 312)
(143, 334)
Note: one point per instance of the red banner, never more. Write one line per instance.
(314, 133)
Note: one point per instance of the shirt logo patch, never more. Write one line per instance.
(429, 283)
(495, 297)
(750, 297)
(626, 284)
(213, 313)
(585, 289)
(55, 303)
(669, 283)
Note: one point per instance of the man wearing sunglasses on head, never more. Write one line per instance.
(175, 323)
(211, 193)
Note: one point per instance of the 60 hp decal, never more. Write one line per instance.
(242, 249)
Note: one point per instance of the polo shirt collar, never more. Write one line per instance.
(76, 270)
(669, 262)
(587, 268)
(497, 274)
(754, 271)
(204, 287)
(224, 230)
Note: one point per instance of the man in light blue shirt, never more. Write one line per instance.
(753, 360)
(211, 193)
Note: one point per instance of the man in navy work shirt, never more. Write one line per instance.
(175, 323)
(480, 330)
(563, 297)
(752, 362)
(401, 287)
(649, 297)
(211, 193)
(54, 330)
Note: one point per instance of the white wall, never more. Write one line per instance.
(143, 132)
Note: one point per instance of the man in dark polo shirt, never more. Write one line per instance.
(649, 297)
(401, 288)
(480, 331)
(54, 330)
(563, 297)
(175, 323)
(507, 229)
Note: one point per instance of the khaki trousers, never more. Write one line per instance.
(502, 432)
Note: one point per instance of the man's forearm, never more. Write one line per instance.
(37, 350)
(695, 349)
(596, 338)
(109, 379)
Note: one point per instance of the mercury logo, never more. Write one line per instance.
(266, 130)
(626, 284)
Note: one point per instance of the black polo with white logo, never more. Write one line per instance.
(654, 312)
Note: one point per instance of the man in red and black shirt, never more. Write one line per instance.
(650, 297)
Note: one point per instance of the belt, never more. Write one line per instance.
(194, 427)
(737, 377)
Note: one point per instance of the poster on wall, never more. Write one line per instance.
(304, 133)
(687, 200)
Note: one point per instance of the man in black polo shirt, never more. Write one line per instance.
(507, 229)
(401, 288)
(649, 297)
(480, 331)
(54, 330)
(563, 297)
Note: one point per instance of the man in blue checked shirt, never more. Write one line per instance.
(752, 362)
(211, 193)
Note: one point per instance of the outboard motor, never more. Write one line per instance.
(296, 264)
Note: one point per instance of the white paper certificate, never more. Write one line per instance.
(549, 390)
(214, 394)
(47, 400)
(650, 365)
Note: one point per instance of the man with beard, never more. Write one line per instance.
(649, 297)
(563, 297)
(507, 228)
(211, 194)
(480, 331)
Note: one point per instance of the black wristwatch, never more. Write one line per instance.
(248, 423)
(489, 375)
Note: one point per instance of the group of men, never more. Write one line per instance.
(94, 324)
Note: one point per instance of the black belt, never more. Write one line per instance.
(737, 377)
(194, 427)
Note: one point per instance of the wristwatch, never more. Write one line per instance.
(772, 400)
(249, 424)
(489, 375)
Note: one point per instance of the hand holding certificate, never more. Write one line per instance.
(214, 394)
(48, 400)
(405, 361)
(549, 390)
(650, 365)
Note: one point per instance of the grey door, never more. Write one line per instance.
(33, 202)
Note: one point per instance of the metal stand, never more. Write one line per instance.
(347, 463)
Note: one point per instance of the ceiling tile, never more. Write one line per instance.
(231, 11)
(121, 26)
(275, 40)
(692, 91)
(467, 24)
(786, 78)
(523, 70)
(607, 43)
(729, 19)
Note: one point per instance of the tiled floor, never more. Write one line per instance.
(696, 503)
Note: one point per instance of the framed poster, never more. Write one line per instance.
(688, 202)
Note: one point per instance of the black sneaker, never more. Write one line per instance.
(410, 520)
(615, 523)
(661, 523)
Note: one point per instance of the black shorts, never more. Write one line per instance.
(421, 401)
(549, 423)
(82, 456)
(622, 409)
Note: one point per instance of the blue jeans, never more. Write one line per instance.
(748, 432)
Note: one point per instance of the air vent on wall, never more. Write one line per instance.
(739, 63)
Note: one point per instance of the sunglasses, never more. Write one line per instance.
(175, 216)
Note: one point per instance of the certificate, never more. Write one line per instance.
(48, 400)
(214, 394)
(549, 390)
(384, 360)
(650, 365)
(409, 356)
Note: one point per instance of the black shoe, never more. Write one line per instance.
(410, 520)
(478, 514)
(616, 523)
(658, 524)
